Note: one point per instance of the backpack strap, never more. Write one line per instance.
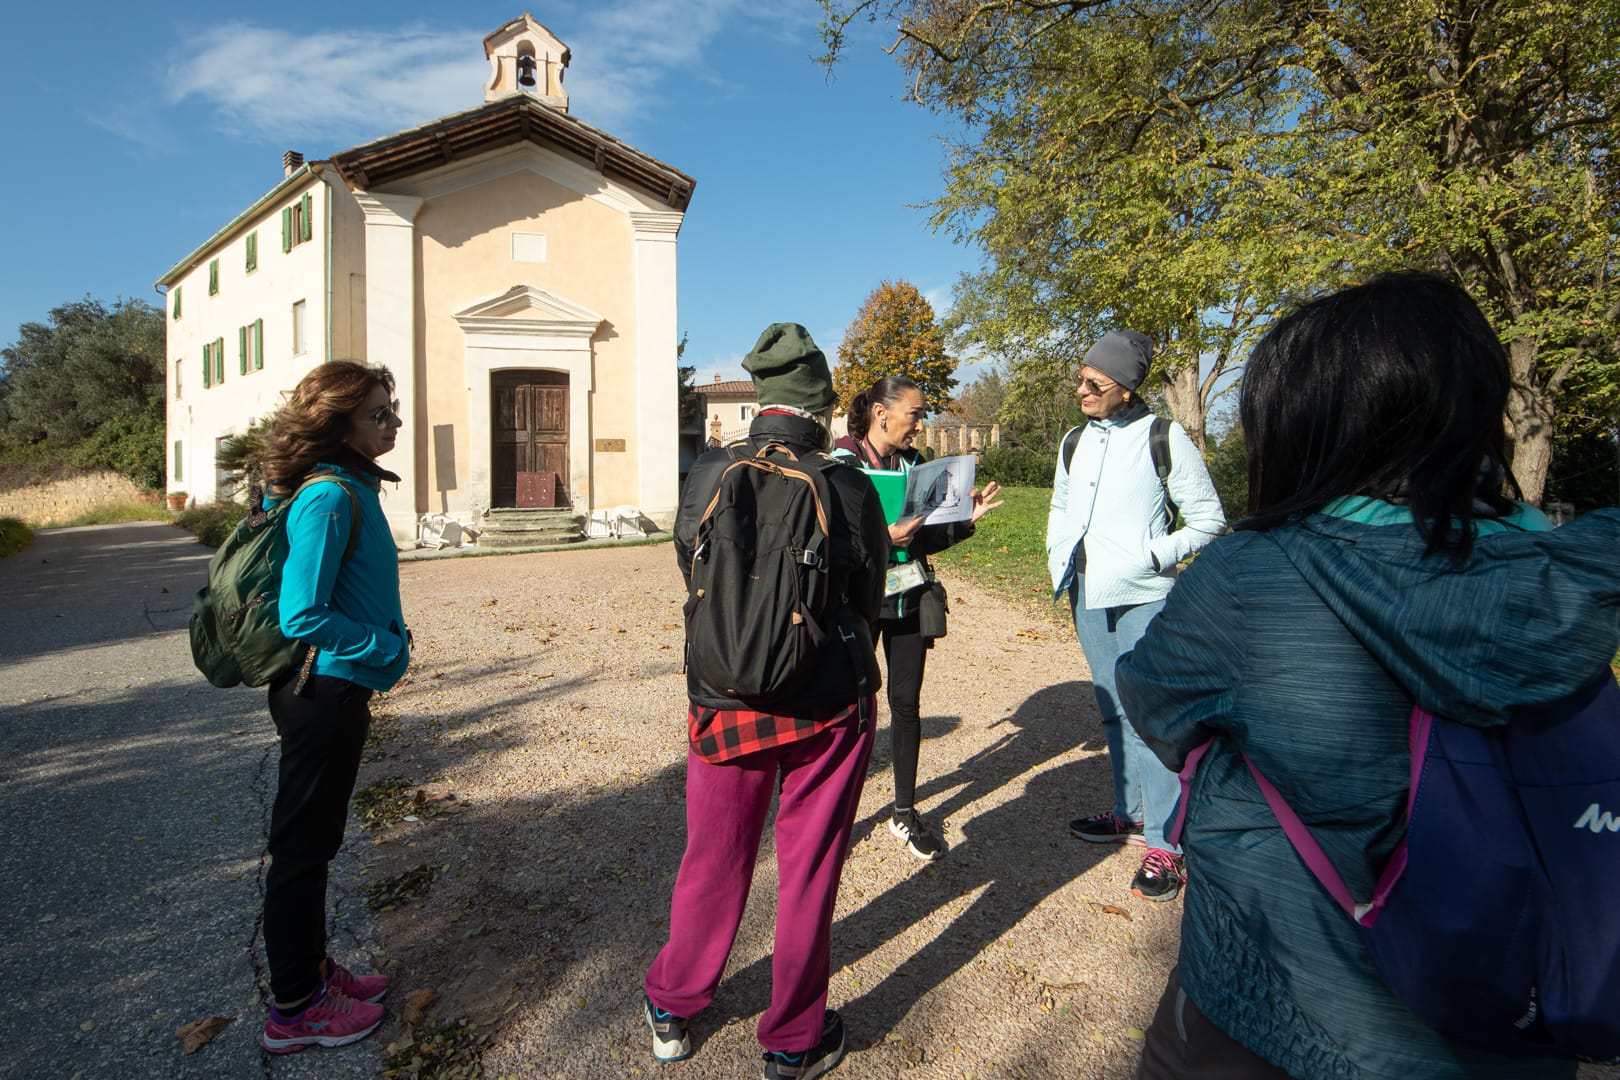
(1159, 451)
(1310, 852)
(354, 506)
(1071, 439)
(307, 667)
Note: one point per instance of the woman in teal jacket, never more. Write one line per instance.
(344, 604)
(1381, 564)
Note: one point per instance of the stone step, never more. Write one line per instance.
(514, 538)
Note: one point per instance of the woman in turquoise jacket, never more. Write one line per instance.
(344, 604)
(1381, 564)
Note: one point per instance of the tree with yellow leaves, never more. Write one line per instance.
(895, 333)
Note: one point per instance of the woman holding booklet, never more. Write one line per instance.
(884, 422)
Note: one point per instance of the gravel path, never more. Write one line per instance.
(546, 698)
(542, 722)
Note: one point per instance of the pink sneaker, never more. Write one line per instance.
(332, 1019)
(368, 988)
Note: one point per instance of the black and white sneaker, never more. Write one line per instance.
(819, 1060)
(1161, 877)
(670, 1042)
(1106, 828)
(919, 839)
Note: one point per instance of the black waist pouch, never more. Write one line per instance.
(932, 607)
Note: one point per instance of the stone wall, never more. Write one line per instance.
(58, 501)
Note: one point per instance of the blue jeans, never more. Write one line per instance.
(1144, 790)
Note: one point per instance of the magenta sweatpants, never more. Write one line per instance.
(726, 805)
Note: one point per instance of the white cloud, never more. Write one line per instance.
(343, 86)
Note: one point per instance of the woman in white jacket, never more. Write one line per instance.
(1113, 545)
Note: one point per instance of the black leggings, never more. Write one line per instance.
(322, 735)
(905, 653)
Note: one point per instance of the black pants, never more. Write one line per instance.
(1182, 1044)
(322, 735)
(905, 654)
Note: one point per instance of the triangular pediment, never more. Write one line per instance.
(525, 309)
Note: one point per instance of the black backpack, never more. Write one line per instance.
(235, 620)
(1158, 450)
(757, 607)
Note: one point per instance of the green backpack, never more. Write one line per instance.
(236, 633)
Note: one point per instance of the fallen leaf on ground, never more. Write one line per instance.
(416, 1006)
(1112, 909)
(198, 1033)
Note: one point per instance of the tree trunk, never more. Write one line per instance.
(1530, 409)
(1181, 387)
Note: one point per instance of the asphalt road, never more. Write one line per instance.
(134, 802)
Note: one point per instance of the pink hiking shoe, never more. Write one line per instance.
(332, 1019)
(367, 988)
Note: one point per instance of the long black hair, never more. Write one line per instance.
(886, 391)
(1393, 389)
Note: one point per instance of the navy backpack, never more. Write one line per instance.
(1519, 953)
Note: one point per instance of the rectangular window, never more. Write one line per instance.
(746, 412)
(213, 276)
(208, 365)
(297, 223)
(177, 474)
(300, 341)
(177, 379)
(219, 360)
(251, 251)
(250, 346)
(177, 301)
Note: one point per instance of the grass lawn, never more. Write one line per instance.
(1007, 554)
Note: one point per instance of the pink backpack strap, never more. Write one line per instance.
(1299, 835)
(1189, 768)
(1310, 852)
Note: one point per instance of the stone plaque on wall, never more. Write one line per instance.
(610, 446)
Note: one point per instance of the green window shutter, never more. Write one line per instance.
(213, 276)
(177, 475)
(258, 344)
(208, 366)
(286, 228)
(177, 301)
(252, 251)
(241, 347)
(219, 360)
(309, 217)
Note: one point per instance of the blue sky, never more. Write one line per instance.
(133, 132)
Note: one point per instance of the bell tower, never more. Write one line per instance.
(526, 58)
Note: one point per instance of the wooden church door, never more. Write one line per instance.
(530, 452)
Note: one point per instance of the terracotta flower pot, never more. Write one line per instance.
(177, 500)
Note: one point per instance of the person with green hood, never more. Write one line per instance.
(812, 749)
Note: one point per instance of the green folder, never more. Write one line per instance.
(891, 489)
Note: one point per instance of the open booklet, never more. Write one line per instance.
(939, 491)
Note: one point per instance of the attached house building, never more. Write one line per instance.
(513, 266)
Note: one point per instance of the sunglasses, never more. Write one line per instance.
(388, 412)
(1095, 387)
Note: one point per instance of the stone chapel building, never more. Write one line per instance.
(513, 266)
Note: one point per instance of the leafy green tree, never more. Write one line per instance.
(895, 333)
(88, 387)
(1190, 169)
(690, 412)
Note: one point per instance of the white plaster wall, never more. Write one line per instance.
(200, 416)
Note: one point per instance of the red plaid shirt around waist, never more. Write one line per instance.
(722, 735)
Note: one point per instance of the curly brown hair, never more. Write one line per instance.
(310, 425)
